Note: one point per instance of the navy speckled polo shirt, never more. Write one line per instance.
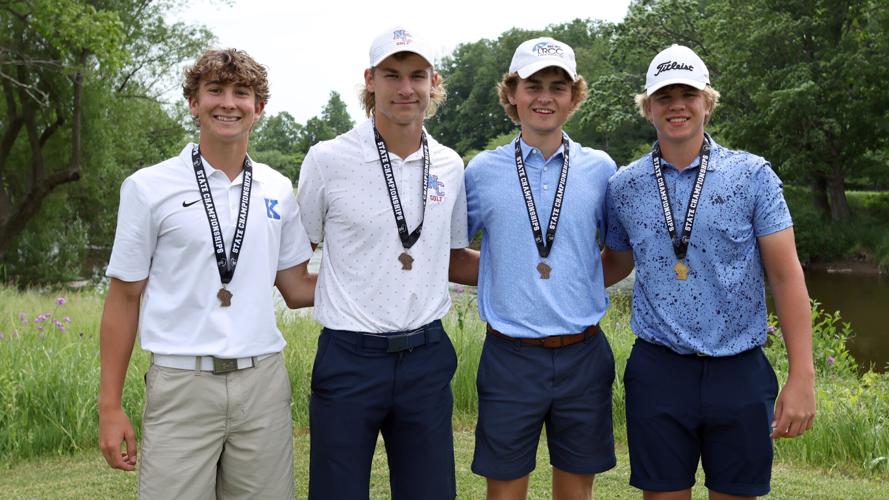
(720, 309)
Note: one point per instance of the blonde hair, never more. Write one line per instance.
(510, 81)
(437, 95)
(711, 100)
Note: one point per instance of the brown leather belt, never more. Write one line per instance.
(551, 342)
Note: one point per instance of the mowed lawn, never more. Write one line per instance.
(86, 476)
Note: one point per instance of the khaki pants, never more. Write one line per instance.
(207, 436)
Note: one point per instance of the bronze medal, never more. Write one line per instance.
(406, 261)
(544, 270)
(225, 297)
(681, 271)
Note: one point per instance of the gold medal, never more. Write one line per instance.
(681, 271)
(225, 297)
(406, 261)
(544, 270)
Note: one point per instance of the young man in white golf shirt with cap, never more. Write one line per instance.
(703, 223)
(387, 201)
(217, 397)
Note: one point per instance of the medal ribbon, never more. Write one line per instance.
(543, 245)
(225, 264)
(680, 243)
(407, 239)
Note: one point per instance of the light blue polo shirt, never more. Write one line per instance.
(511, 296)
(720, 310)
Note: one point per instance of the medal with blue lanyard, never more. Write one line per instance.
(544, 243)
(680, 241)
(407, 239)
(225, 264)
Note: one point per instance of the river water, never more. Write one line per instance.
(863, 301)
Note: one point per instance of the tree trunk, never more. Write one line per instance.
(836, 191)
(819, 194)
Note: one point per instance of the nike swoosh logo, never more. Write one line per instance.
(190, 203)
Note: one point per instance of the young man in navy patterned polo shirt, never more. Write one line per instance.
(702, 222)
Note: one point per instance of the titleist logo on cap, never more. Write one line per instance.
(673, 65)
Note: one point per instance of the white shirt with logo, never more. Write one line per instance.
(344, 201)
(163, 234)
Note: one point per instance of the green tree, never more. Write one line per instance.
(803, 85)
(336, 115)
(82, 107)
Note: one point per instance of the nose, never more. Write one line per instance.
(404, 87)
(228, 99)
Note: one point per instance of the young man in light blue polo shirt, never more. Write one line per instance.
(702, 222)
(540, 201)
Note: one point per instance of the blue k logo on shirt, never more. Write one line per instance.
(270, 209)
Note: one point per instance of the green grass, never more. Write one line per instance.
(85, 475)
(49, 381)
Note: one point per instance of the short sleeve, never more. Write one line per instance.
(459, 237)
(616, 237)
(473, 203)
(311, 197)
(295, 246)
(770, 212)
(135, 237)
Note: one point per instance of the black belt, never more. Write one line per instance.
(429, 333)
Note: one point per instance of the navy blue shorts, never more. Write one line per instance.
(685, 408)
(523, 387)
(360, 390)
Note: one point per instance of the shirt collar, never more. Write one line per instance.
(369, 144)
(527, 149)
(211, 170)
(714, 148)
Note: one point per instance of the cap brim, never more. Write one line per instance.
(676, 81)
(536, 66)
(392, 52)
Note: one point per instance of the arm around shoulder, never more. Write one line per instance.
(464, 266)
(297, 285)
(616, 265)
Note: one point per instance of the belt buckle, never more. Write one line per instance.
(221, 366)
(397, 343)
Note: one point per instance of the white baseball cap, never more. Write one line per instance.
(398, 39)
(534, 55)
(676, 64)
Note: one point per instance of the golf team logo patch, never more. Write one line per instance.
(548, 49)
(436, 189)
(402, 37)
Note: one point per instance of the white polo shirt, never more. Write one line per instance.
(344, 201)
(163, 234)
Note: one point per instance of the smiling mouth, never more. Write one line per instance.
(543, 111)
(226, 118)
(677, 120)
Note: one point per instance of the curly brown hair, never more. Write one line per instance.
(227, 66)
(510, 82)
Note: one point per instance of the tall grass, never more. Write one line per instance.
(49, 381)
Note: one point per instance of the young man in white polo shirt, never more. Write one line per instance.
(217, 399)
(388, 202)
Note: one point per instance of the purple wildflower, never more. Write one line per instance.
(67, 319)
(831, 360)
(59, 324)
(23, 318)
(60, 301)
(41, 318)
(772, 330)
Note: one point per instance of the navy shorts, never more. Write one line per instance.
(685, 408)
(360, 390)
(522, 387)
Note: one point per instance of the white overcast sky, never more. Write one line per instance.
(314, 46)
